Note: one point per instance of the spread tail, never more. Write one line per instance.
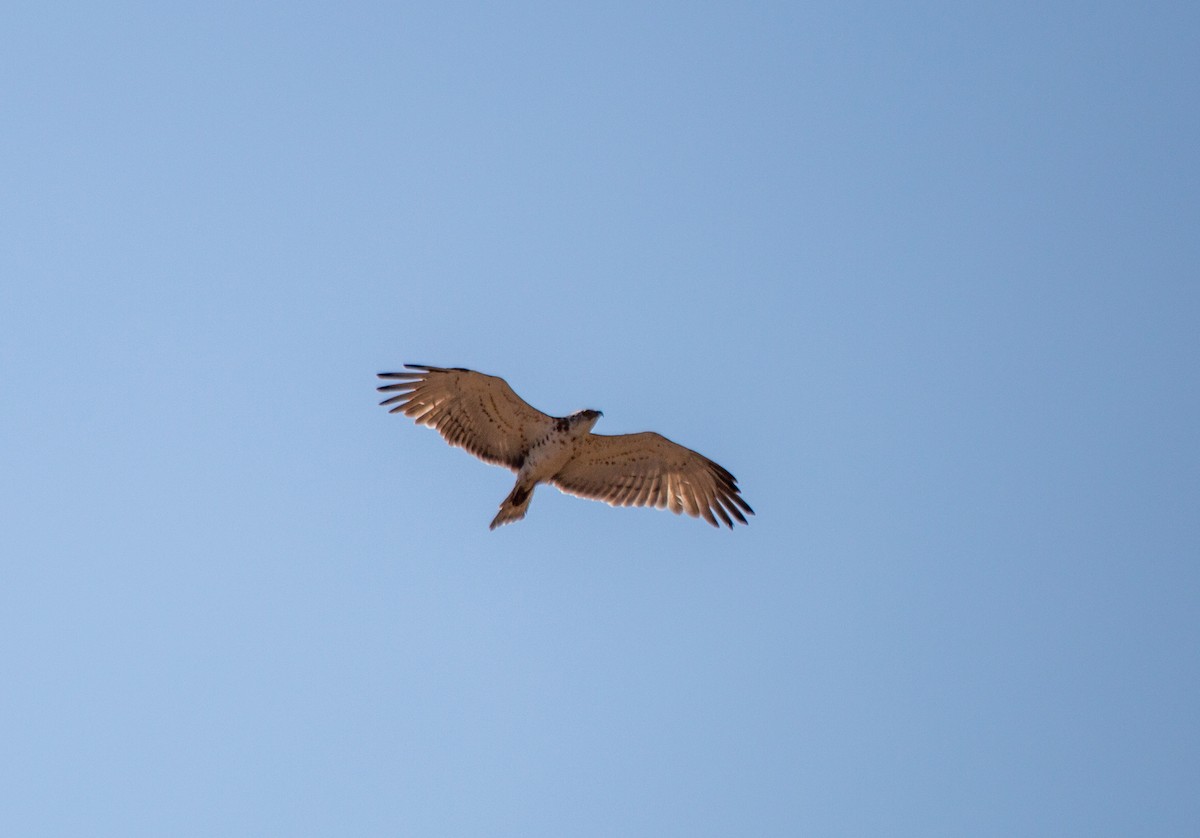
(514, 506)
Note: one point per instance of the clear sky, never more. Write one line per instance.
(924, 276)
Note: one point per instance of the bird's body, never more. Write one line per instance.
(482, 414)
(544, 460)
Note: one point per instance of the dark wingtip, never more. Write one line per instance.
(431, 368)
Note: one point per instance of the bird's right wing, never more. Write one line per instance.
(647, 469)
(478, 412)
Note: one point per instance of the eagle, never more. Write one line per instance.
(483, 414)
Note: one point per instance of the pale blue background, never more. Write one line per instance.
(924, 276)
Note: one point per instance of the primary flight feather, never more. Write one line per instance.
(482, 414)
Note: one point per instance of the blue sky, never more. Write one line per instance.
(923, 276)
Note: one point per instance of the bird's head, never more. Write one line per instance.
(585, 418)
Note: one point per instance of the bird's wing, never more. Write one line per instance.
(647, 469)
(478, 412)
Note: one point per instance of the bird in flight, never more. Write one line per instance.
(482, 414)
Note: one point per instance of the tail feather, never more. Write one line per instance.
(514, 506)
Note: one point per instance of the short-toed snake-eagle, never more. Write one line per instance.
(482, 414)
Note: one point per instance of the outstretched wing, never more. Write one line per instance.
(647, 469)
(478, 412)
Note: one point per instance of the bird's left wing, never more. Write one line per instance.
(647, 469)
(478, 412)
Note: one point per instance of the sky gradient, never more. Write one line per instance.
(924, 277)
